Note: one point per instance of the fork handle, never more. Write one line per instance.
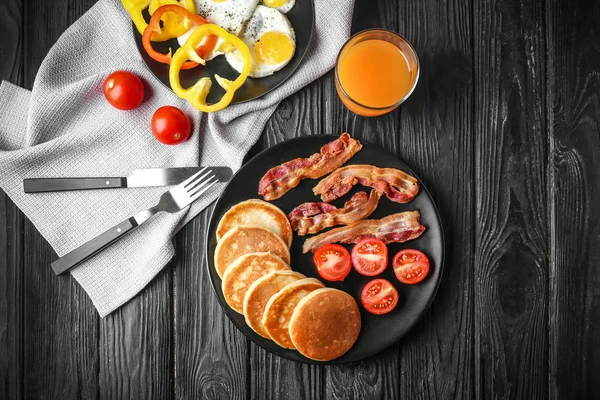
(38, 185)
(86, 250)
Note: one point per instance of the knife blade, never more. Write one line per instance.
(139, 178)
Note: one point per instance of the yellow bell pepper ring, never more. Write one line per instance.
(172, 26)
(197, 93)
(135, 8)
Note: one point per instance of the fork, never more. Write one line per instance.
(171, 201)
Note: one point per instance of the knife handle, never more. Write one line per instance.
(86, 250)
(37, 185)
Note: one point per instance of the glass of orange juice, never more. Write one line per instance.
(375, 72)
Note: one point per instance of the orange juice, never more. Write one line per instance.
(375, 73)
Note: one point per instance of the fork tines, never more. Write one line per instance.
(200, 182)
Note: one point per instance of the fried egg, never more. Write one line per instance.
(282, 5)
(230, 15)
(271, 41)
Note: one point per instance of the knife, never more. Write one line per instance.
(139, 178)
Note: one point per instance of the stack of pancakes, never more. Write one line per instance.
(252, 258)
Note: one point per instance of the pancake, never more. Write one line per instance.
(260, 292)
(325, 324)
(244, 271)
(244, 240)
(259, 213)
(280, 307)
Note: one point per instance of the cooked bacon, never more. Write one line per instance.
(396, 228)
(314, 217)
(278, 180)
(397, 185)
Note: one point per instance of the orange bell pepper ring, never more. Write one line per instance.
(173, 25)
(188, 20)
(136, 7)
(197, 93)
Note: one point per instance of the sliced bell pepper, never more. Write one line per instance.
(197, 93)
(187, 19)
(136, 7)
(174, 25)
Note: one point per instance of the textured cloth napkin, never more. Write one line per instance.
(64, 127)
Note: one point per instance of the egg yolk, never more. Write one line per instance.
(274, 48)
(274, 3)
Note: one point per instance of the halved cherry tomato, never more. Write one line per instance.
(410, 266)
(124, 90)
(370, 257)
(170, 125)
(379, 296)
(332, 262)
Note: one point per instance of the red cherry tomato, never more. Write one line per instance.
(410, 266)
(124, 90)
(379, 297)
(332, 262)
(170, 125)
(370, 257)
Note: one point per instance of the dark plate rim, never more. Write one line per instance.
(234, 102)
(225, 306)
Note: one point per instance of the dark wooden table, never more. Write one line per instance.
(504, 130)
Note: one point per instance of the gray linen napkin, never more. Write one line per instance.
(65, 127)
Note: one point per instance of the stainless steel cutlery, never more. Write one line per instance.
(139, 178)
(171, 201)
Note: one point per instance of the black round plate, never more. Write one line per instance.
(302, 18)
(378, 331)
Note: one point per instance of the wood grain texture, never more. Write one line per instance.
(11, 300)
(272, 377)
(11, 225)
(376, 377)
(60, 324)
(297, 115)
(499, 132)
(11, 47)
(436, 138)
(210, 353)
(136, 355)
(574, 107)
(511, 230)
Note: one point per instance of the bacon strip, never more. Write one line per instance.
(397, 228)
(397, 185)
(278, 180)
(314, 217)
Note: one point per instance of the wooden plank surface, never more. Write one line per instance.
(135, 345)
(11, 300)
(504, 131)
(11, 226)
(574, 108)
(211, 355)
(436, 137)
(511, 228)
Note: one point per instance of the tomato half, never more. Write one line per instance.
(370, 257)
(332, 262)
(410, 266)
(379, 296)
(123, 90)
(170, 125)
